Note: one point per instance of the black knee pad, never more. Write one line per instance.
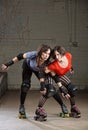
(25, 87)
(51, 90)
(72, 89)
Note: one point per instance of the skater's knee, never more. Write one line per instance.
(50, 90)
(25, 87)
(72, 89)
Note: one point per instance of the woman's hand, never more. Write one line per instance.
(4, 67)
(67, 96)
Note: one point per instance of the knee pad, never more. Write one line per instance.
(72, 89)
(25, 87)
(51, 90)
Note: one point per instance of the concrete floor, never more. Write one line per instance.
(9, 105)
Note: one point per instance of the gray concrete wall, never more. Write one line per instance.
(3, 83)
(25, 24)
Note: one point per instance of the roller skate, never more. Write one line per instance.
(22, 113)
(40, 114)
(64, 112)
(75, 112)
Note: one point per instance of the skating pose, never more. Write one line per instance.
(48, 90)
(34, 61)
(58, 68)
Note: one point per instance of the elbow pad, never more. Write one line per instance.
(20, 56)
(56, 78)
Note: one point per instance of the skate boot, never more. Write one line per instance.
(40, 114)
(22, 113)
(75, 112)
(65, 112)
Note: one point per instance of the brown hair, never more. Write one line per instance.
(60, 49)
(42, 49)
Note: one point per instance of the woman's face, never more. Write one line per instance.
(45, 55)
(58, 56)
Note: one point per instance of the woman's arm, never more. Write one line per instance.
(14, 60)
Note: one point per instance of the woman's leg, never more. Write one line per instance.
(26, 83)
(72, 91)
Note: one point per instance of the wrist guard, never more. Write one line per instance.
(42, 86)
(41, 74)
(9, 63)
(62, 90)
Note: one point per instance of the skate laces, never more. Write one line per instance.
(75, 108)
(41, 110)
(64, 109)
(22, 107)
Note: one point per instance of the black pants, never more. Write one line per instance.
(27, 73)
(26, 80)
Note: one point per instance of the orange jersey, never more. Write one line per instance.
(55, 67)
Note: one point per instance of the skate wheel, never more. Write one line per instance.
(35, 118)
(64, 115)
(39, 118)
(61, 115)
(78, 116)
(22, 116)
(75, 115)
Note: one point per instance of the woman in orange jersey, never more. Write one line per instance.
(62, 64)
